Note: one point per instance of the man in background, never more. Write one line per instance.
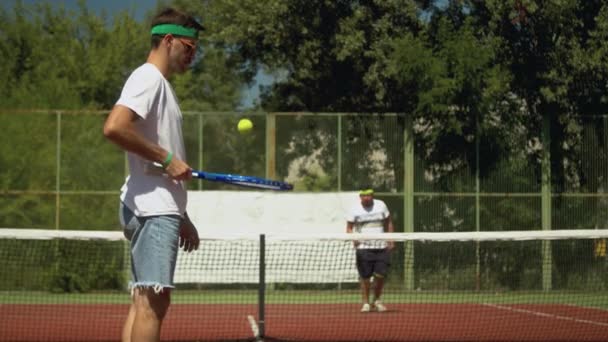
(146, 122)
(371, 216)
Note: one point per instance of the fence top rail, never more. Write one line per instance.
(97, 112)
(189, 112)
(228, 113)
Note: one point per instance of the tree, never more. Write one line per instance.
(555, 51)
(216, 82)
(327, 56)
(473, 73)
(459, 92)
(74, 59)
(337, 49)
(68, 59)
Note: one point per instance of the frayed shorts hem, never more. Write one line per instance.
(158, 287)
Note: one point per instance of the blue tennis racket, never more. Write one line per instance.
(246, 181)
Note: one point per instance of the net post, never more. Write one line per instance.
(262, 287)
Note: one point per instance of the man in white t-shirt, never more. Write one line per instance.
(371, 216)
(146, 122)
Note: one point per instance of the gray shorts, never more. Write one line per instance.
(154, 243)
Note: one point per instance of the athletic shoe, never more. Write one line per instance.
(379, 306)
(365, 308)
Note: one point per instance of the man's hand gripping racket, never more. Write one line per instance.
(245, 181)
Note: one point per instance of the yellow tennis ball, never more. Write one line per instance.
(245, 125)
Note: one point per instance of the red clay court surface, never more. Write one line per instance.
(314, 322)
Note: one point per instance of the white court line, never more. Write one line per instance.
(546, 315)
(254, 326)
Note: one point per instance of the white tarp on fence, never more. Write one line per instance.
(240, 216)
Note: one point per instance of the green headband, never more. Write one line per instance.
(364, 192)
(177, 30)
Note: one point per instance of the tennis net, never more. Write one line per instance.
(470, 286)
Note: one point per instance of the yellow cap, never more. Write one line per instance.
(366, 192)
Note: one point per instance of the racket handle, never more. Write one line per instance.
(158, 170)
(154, 169)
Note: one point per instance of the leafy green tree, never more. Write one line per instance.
(325, 55)
(73, 59)
(215, 83)
(212, 85)
(333, 54)
(555, 52)
(458, 91)
(473, 73)
(108, 55)
(65, 59)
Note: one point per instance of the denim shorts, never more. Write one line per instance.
(154, 243)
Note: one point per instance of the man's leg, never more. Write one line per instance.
(381, 265)
(365, 285)
(154, 243)
(128, 327)
(150, 310)
(130, 225)
(378, 286)
(365, 271)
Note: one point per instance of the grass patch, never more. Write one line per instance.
(584, 299)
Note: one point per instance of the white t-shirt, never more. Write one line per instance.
(369, 220)
(151, 96)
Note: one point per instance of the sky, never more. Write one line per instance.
(138, 8)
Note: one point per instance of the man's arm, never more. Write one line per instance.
(349, 230)
(349, 227)
(188, 235)
(388, 225)
(389, 228)
(119, 129)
